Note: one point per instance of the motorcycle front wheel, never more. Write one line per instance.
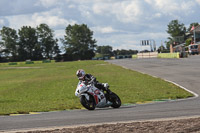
(115, 100)
(88, 104)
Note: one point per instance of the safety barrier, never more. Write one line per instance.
(147, 55)
(169, 55)
(27, 62)
(134, 56)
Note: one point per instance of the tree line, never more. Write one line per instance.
(39, 43)
(28, 43)
(108, 51)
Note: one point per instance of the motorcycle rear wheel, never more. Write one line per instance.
(115, 100)
(88, 104)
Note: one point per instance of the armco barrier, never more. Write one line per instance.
(26, 62)
(29, 62)
(169, 55)
(46, 61)
(12, 63)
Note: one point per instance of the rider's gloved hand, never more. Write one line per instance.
(106, 86)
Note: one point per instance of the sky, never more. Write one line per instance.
(121, 24)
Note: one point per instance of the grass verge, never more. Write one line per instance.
(50, 86)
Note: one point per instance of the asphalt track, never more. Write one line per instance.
(184, 72)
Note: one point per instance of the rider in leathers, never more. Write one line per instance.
(88, 78)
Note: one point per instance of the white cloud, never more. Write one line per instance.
(157, 15)
(85, 11)
(71, 6)
(107, 29)
(37, 18)
(101, 8)
(172, 8)
(198, 1)
(124, 11)
(119, 23)
(51, 20)
(16, 21)
(48, 3)
(131, 11)
(167, 5)
(2, 22)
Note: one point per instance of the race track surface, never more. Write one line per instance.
(184, 72)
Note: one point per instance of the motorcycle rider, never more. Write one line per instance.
(88, 78)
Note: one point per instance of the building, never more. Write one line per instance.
(195, 35)
(194, 47)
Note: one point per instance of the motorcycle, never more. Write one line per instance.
(91, 97)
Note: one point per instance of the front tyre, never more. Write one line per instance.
(88, 104)
(115, 100)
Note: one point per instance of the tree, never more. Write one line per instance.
(188, 41)
(28, 44)
(124, 52)
(78, 42)
(9, 44)
(192, 24)
(104, 50)
(175, 28)
(162, 49)
(177, 31)
(56, 48)
(47, 42)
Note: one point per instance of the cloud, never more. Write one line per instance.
(129, 11)
(34, 20)
(51, 20)
(124, 11)
(198, 1)
(85, 11)
(48, 3)
(103, 30)
(101, 8)
(19, 7)
(2, 22)
(119, 23)
(172, 8)
(157, 15)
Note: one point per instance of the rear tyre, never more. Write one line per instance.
(88, 104)
(115, 100)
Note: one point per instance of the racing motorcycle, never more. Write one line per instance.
(92, 97)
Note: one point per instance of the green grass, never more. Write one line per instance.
(50, 86)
